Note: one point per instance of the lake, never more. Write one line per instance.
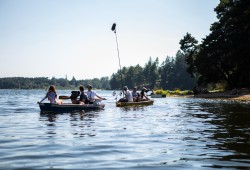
(174, 133)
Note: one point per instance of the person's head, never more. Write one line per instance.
(52, 88)
(89, 87)
(81, 88)
(125, 88)
(135, 88)
(143, 89)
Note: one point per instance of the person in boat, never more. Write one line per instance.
(135, 95)
(52, 96)
(83, 97)
(127, 95)
(92, 95)
(143, 95)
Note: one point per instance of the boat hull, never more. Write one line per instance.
(158, 96)
(141, 103)
(68, 107)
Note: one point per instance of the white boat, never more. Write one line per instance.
(157, 95)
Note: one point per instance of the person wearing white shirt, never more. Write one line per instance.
(128, 94)
(92, 95)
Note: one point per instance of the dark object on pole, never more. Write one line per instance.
(113, 28)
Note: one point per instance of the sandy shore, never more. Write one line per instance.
(220, 96)
(224, 96)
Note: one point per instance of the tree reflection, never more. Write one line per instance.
(232, 122)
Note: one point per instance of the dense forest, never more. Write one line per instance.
(221, 59)
(170, 74)
(223, 55)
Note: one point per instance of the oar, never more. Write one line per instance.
(64, 97)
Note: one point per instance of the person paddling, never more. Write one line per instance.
(52, 96)
(92, 95)
(143, 94)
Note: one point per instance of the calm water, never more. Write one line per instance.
(174, 133)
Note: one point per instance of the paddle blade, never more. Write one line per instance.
(64, 97)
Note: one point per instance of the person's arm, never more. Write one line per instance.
(81, 97)
(146, 96)
(44, 98)
(100, 97)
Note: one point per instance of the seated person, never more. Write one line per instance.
(83, 97)
(52, 96)
(128, 96)
(92, 95)
(143, 95)
(135, 95)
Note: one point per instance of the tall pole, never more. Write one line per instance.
(114, 29)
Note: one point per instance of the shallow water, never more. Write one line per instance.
(174, 133)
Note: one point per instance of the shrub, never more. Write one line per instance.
(159, 91)
(187, 92)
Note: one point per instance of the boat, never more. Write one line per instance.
(69, 107)
(158, 95)
(141, 103)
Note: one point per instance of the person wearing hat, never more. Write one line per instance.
(92, 95)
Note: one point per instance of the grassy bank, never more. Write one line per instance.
(240, 95)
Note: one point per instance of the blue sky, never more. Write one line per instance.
(46, 38)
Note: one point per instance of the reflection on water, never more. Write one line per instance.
(230, 133)
(79, 122)
(174, 133)
(134, 108)
(233, 127)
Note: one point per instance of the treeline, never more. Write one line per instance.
(224, 55)
(170, 74)
(45, 82)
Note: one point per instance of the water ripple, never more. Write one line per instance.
(174, 133)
